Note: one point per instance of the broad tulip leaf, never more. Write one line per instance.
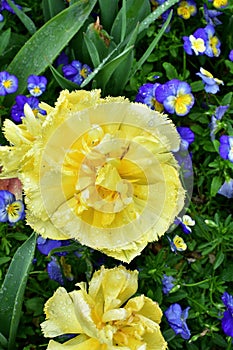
(12, 290)
(45, 45)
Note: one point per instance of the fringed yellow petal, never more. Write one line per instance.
(60, 315)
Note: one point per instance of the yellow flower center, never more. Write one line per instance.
(102, 184)
(198, 45)
(181, 103)
(83, 72)
(36, 90)
(185, 10)
(13, 209)
(7, 83)
(213, 45)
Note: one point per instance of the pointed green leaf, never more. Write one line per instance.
(45, 45)
(105, 74)
(27, 22)
(136, 11)
(108, 13)
(62, 81)
(152, 45)
(4, 40)
(156, 14)
(92, 50)
(12, 290)
(52, 7)
(3, 342)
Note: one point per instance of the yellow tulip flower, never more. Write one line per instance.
(103, 318)
(98, 170)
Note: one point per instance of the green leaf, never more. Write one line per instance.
(171, 72)
(156, 14)
(93, 52)
(108, 13)
(227, 99)
(136, 11)
(3, 341)
(4, 40)
(27, 22)
(197, 86)
(152, 46)
(218, 260)
(45, 45)
(105, 74)
(52, 7)
(215, 185)
(12, 290)
(62, 81)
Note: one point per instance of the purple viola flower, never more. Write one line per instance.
(227, 320)
(219, 113)
(187, 137)
(11, 210)
(62, 59)
(226, 189)
(231, 55)
(167, 283)
(36, 85)
(54, 271)
(17, 110)
(196, 42)
(211, 84)
(226, 147)
(177, 320)
(185, 222)
(213, 43)
(202, 41)
(211, 16)
(186, 9)
(176, 96)
(146, 95)
(8, 83)
(76, 72)
(45, 245)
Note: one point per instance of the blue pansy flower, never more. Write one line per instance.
(211, 84)
(11, 210)
(214, 124)
(54, 271)
(167, 283)
(185, 223)
(177, 320)
(76, 72)
(177, 244)
(176, 96)
(36, 85)
(203, 41)
(226, 147)
(45, 245)
(146, 95)
(17, 110)
(186, 9)
(62, 59)
(211, 16)
(227, 320)
(196, 42)
(8, 83)
(226, 189)
(187, 137)
(213, 43)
